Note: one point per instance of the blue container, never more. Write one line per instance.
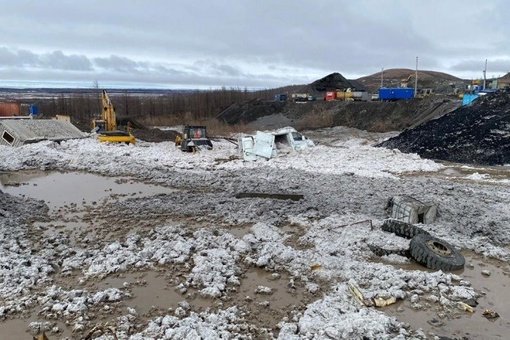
(391, 94)
(468, 98)
(280, 97)
(34, 110)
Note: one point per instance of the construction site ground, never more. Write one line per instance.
(147, 241)
(104, 241)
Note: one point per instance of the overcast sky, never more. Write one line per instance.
(245, 43)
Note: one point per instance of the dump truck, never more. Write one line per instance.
(106, 127)
(193, 138)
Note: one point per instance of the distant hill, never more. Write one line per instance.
(438, 81)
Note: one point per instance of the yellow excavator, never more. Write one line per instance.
(106, 127)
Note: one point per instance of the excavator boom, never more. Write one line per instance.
(109, 113)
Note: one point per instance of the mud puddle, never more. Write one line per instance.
(265, 297)
(59, 189)
(75, 199)
(19, 329)
(462, 172)
(493, 284)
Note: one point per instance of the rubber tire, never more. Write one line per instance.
(402, 229)
(435, 253)
(385, 252)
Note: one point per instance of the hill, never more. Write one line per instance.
(438, 81)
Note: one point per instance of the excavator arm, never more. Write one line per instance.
(109, 113)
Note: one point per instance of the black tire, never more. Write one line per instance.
(402, 229)
(435, 254)
(385, 252)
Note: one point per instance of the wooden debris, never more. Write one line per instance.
(315, 267)
(293, 197)
(40, 336)
(101, 330)
(490, 314)
(354, 289)
(377, 302)
(465, 307)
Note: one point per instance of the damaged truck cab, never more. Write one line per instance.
(268, 144)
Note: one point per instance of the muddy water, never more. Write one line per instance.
(495, 297)
(64, 189)
(462, 172)
(154, 293)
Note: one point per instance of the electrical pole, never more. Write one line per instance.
(382, 77)
(484, 74)
(416, 79)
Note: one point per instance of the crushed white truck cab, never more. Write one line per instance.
(268, 144)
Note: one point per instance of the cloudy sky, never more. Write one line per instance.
(245, 43)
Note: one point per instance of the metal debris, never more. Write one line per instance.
(490, 314)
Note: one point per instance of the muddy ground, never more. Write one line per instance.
(162, 233)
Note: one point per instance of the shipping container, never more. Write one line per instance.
(330, 95)
(344, 95)
(391, 94)
(10, 109)
(360, 96)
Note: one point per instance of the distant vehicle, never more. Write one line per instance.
(280, 97)
(302, 97)
(106, 127)
(192, 138)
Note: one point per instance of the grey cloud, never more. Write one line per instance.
(494, 66)
(116, 63)
(246, 43)
(56, 60)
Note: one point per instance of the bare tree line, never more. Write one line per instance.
(85, 106)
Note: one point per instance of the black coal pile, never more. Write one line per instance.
(331, 82)
(249, 111)
(474, 134)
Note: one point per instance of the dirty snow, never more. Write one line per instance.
(346, 186)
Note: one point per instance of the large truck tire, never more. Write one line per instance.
(435, 254)
(402, 229)
(386, 252)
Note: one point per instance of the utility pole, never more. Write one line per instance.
(484, 75)
(416, 79)
(382, 77)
